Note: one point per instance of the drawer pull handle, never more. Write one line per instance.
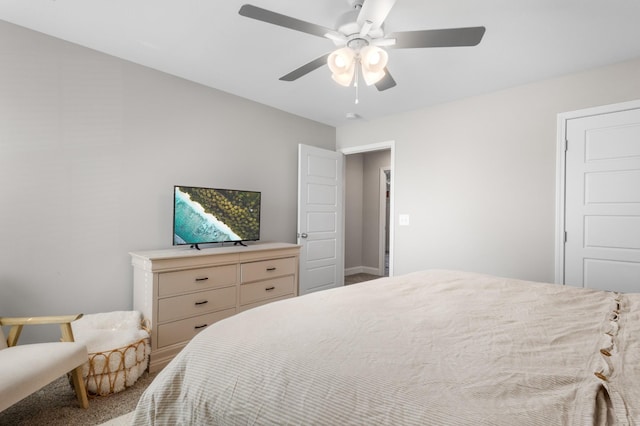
(202, 279)
(269, 288)
(197, 327)
(273, 268)
(204, 302)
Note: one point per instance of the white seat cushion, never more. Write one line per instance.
(27, 368)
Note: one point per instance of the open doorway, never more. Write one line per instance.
(368, 211)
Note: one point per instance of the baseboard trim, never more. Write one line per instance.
(361, 270)
(352, 271)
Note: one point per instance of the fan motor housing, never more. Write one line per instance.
(347, 24)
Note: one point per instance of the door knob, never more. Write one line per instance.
(303, 235)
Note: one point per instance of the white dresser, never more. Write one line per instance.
(181, 291)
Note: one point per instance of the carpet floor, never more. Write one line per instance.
(56, 405)
(359, 278)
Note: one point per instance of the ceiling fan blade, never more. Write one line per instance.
(387, 82)
(306, 68)
(375, 12)
(285, 21)
(449, 37)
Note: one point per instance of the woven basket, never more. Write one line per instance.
(112, 371)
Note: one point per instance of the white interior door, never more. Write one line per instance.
(320, 218)
(602, 201)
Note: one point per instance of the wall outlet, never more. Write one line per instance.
(403, 220)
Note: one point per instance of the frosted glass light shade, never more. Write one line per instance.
(372, 77)
(341, 63)
(344, 79)
(374, 60)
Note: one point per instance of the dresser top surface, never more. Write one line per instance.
(181, 252)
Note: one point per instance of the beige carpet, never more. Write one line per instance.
(358, 278)
(56, 405)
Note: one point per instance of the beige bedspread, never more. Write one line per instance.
(428, 348)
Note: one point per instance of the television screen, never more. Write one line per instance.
(209, 215)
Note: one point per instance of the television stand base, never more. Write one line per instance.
(239, 243)
(197, 247)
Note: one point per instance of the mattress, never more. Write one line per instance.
(431, 347)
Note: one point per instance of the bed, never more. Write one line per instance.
(427, 348)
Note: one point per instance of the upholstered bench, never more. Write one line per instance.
(24, 369)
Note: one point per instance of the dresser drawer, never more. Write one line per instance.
(177, 282)
(266, 269)
(268, 289)
(186, 329)
(263, 302)
(191, 304)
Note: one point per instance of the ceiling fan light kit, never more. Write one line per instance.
(343, 64)
(358, 36)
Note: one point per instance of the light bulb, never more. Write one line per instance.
(374, 58)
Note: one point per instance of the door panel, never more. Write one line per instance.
(614, 232)
(611, 274)
(321, 194)
(321, 222)
(321, 250)
(323, 277)
(602, 201)
(612, 186)
(320, 211)
(615, 143)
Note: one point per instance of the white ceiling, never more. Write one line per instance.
(209, 43)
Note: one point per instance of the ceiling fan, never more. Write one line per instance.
(360, 38)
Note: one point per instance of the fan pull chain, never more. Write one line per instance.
(355, 84)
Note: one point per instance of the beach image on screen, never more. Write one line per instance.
(206, 215)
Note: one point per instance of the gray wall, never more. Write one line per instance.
(373, 161)
(90, 148)
(354, 174)
(477, 176)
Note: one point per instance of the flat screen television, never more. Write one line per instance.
(212, 215)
